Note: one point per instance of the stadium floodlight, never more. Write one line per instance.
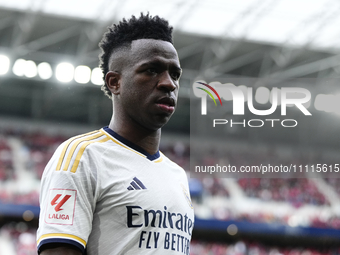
(45, 70)
(82, 74)
(262, 95)
(30, 69)
(4, 64)
(97, 76)
(64, 72)
(19, 67)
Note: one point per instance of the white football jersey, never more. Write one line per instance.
(106, 195)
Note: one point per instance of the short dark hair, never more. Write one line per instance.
(144, 27)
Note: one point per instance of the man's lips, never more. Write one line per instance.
(166, 104)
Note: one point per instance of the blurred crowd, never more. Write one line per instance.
(27, 153)
(17, 238)
(253, 248)
(294, 191)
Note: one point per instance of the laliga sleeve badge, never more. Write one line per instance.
(61, 206)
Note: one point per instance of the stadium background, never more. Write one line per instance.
(216, 40)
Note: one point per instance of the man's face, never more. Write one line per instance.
(149, 83)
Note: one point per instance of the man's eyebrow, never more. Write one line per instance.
(159, 63)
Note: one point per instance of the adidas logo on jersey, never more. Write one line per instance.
(136, 184)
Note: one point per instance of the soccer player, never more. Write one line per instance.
(112, 191)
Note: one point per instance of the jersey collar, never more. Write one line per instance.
(132, 145)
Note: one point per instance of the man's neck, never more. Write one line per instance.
(146, 139)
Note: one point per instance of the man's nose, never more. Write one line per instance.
(167, 83)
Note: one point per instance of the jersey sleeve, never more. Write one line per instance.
(67, 196)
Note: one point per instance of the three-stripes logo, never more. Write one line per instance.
(136, 184)
(212, 89)
(61, 206)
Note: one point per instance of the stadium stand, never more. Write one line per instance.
(288, 202)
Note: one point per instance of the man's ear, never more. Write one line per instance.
(112, 79)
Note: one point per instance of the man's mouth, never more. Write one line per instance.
(166, 104)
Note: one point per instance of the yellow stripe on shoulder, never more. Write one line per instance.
(75, 145)
(62, 155)
(62, 235)
(68, 152)
(81, 151)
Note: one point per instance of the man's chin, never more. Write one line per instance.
(160, 122)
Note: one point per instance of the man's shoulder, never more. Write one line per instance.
(85, 140)
(69, 154)
(84, 136)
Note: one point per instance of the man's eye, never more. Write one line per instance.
(152, 70)
(175, 75)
